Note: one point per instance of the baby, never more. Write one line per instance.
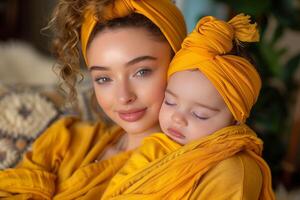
(189, 114)
(210, 93)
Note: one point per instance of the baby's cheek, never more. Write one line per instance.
(161, 113)
(152, 93)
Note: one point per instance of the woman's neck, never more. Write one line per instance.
(133, 140)
(127, 142)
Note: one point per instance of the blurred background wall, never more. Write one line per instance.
(23, 19)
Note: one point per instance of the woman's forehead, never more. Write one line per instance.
(124, 45)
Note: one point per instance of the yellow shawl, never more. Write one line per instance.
(177, 175)
(61, 164)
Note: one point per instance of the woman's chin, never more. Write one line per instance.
(139, 127)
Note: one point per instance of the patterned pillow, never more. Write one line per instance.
(24, 115)
(27, 110)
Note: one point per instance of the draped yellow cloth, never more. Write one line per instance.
(163, 13)
(61, 164)
(208, 48)
(153, 147)
(224, 165)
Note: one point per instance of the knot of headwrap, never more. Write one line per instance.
(208, 48)
(163, 13)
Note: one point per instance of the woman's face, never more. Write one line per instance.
(128, 68)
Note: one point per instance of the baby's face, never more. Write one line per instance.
(192, 108)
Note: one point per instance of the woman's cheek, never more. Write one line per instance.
(104, 97)
(160, 88)
(154, 90)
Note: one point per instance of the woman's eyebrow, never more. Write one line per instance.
(129, 63)
(139, 59)
(92, 68)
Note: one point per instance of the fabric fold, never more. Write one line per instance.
(177, 175)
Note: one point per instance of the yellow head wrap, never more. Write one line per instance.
(207, 49)
(163, 13)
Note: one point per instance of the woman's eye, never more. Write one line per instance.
(198, 116)
(102, 80)
(168, 103)
(143, 72)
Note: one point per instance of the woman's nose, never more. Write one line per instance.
(179, 118)
(126, 93)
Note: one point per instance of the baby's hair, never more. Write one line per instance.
(241, 49)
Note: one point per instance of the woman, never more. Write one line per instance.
(127, 46)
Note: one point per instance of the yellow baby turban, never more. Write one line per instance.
(208, 48)
(163, 13)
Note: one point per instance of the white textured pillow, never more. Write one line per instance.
(24, 116)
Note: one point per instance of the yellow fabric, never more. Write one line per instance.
(208, 48)
(163, 13)
(61, 164)
(238, 177)
(153, 147)
(191, 171)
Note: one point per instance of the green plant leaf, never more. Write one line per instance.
(271, 57)
(279, 30)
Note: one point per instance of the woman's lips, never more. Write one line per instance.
(132, 115)
(175, 133)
